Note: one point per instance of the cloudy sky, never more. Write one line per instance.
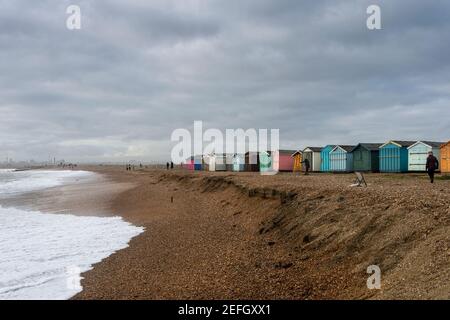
(116, 89)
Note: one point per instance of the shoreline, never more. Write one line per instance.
(52, 234)
(86, 196)
(245, 236)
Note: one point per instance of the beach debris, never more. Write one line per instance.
(306, 239)
(283, 265)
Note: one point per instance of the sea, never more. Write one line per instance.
(42, 255)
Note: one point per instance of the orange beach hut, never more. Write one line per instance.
(298, 158)
(445, 158)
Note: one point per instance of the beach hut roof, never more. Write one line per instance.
(313, 149)
(445, 144)
(223, 154)
(328, 148)
(368, 146)
(399, 143)
(285, 151)
(431, 144)
(344, 147)
(297, 152)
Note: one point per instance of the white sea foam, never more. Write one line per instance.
(42, 254)
(14, 182)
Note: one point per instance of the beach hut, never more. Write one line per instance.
(205, 163)
(252, 162)
(283, 161)
(394, 156)
(341, 159)
(445, 158)
(229, 164)
(366, 157)
(189, 164)
(209, 162)
(238, 162)
(220, 162)
(297, 157)
(325, 158)
(216, 162)
(313, 156)
(198, 163)
(418, 154)
(265, 161)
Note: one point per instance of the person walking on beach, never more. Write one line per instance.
(167, 165)
(171, 164)
(432, 165)
(306, 163)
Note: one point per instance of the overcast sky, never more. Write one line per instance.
(116, 89)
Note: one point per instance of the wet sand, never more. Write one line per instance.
(90, 195)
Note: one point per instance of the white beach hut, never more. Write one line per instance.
(418, 154)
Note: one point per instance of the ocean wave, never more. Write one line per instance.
(42, 255)
(16, 182)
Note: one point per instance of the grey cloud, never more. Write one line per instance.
(137, 70)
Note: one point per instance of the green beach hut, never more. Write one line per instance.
(265, 161)
(366, 157)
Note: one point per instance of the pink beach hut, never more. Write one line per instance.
(189, 164)
(285, 161)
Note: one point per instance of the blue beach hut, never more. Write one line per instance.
(325, 158)
(198, 162)
(394, 156)
(341, 159)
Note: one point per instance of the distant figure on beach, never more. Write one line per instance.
(171, 164)
(167, 165)
(306, 162)
(432, 165)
